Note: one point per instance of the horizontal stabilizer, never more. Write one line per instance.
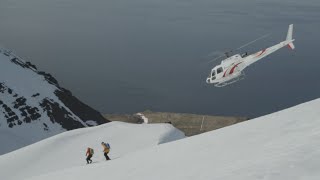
(291, 46)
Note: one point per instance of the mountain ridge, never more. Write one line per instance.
(34, 99)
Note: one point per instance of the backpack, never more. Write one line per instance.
(91, 151)
(107, 145)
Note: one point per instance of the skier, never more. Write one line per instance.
(89, 155)
(106, 149)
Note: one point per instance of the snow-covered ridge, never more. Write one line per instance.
(33, 106)
(280, 146)
(67, 149)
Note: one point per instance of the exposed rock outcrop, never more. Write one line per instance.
(190, 124)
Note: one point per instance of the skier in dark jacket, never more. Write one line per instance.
(89, 155)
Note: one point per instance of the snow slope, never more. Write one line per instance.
(68, 149)
(280, 146)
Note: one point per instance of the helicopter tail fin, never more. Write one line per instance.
(289, 37)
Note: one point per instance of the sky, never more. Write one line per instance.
(124, 56)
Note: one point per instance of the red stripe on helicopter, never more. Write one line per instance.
(261, 52)
(234, 67)
(224, 75)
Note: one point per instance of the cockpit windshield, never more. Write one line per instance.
(213, 73)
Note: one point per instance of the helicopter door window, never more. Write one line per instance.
(219, 70)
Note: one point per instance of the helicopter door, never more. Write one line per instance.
(213, 74)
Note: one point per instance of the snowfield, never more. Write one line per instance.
(280, 146)
(67, 150)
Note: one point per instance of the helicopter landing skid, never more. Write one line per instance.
(231, 81)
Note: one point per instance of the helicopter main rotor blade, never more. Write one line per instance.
(243, 46)
(251, 42)
(215, 53)
(215, 59)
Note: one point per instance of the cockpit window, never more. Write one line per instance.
(213, 73)
(219, 70)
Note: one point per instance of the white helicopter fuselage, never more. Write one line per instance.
(232, 68)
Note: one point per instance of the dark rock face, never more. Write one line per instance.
(49, 78)
(60, 115)
(83, 111)
(28, 113)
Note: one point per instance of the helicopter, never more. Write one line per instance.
(231, 69)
